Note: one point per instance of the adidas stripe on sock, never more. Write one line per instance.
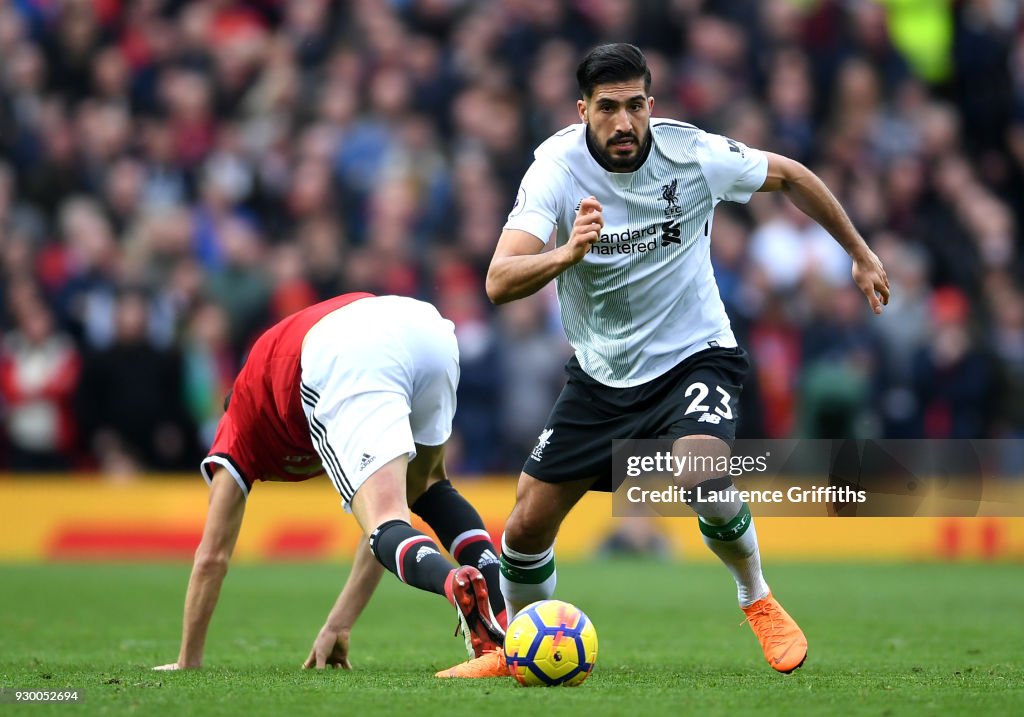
(410, 555)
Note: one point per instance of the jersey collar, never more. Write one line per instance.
(644, 152)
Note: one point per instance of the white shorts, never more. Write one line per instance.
(378, 377)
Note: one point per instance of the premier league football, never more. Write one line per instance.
(551, 643)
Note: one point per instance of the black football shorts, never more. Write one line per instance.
(700, 396)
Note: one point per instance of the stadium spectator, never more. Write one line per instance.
(953, 374)
(209, 368)
(131, 399)
(39, 368)
(842, 362)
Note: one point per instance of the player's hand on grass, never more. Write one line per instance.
(586, 230)
(329, 649)
(175, 666)
(870, 277)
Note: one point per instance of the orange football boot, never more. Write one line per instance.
(489, 664)
(782, 640)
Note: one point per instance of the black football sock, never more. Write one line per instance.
(460, 528)
(410, 555)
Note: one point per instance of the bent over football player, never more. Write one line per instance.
(631, 202)
(360, 388)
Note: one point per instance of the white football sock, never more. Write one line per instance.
(728, 530)
(526, 578)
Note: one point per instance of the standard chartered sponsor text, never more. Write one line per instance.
(627, 241)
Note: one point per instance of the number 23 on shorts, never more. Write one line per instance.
(699, 392)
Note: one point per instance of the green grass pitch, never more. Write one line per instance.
(884, 640)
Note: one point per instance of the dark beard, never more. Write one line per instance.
(616, 164)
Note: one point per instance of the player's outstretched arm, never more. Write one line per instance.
(330, 648)
(223, 522)
(518, 267)
(810, 195)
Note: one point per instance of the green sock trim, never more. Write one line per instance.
(528, 576)
(731, 530)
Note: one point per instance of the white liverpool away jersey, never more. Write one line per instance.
(645, 297)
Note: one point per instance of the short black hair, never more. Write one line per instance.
(615, 62)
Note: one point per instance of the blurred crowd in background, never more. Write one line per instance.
(177, 176)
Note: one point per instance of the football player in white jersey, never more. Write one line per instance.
(631, 200)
